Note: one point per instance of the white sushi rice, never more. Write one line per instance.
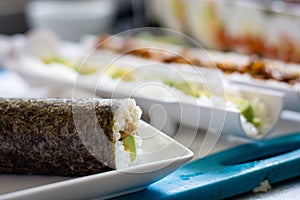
(263, 187)
(249, 128)
(127, 112)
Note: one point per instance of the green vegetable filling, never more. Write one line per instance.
(246, 109)
(129, 144)
(187, 88)
(85, 69)
(122, 73)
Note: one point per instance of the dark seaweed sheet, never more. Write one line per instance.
(43, 136)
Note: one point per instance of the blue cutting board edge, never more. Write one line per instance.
(230, 172)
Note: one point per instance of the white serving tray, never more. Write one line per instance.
(161, 156)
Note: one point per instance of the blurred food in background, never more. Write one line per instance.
(59, 63)
(228, 62)
(72, 19)
(267, 28)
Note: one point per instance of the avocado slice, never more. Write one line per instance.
(85, 69)
(245, 107)
(122, 73)
(57, 60)
(187, 88)
(129, 145)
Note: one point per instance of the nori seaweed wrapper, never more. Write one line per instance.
(63, 137)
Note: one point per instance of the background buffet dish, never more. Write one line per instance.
(154, 94)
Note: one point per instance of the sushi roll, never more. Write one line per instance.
(230, 63)
(68, 137)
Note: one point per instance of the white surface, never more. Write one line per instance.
(161, 156)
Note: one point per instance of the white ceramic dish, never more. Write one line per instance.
(161, 156)
(72, 19)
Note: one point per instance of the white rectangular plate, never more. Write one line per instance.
(161, 156)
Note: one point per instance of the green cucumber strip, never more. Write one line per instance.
(186, 87)
(129, 145)
(244, 106)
